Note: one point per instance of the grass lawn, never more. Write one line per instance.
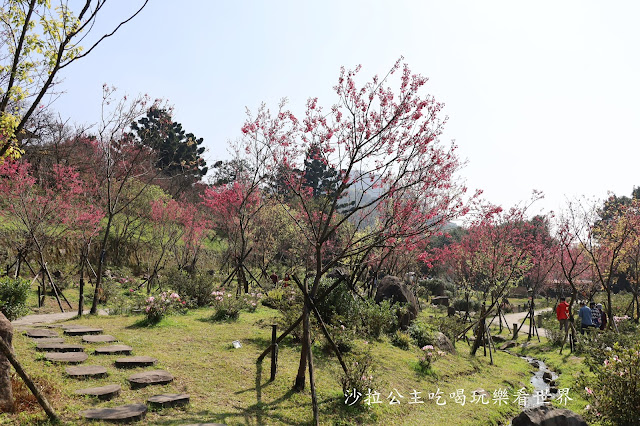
(226, 386)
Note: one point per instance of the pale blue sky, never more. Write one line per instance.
(540, 95)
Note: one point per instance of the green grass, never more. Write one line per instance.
(226, 385)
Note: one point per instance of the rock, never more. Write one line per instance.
(169, 400)
(440, 300)
(58, 347)
(80, 331)
(451, 311)
(114, 350)
(553, 389)
(103, 392)
(507, 345)
(86, 371)
(443, 343)
(393, 289)
(6, 392)
(146, 378)
(39, 333)
(546, 376)
(548, 416)
(497, 339)
(123, 413)
(481, 391)
(98, 338)
(535, 363)
(135, 361)
(67, 357)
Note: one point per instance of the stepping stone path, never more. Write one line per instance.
(135, 361)
(98, 338)
(59, 347)
(86, 371)
(48, 340)
(80, 331)
(104, 393)
(169, 400)
(123, 413)
(146, 378)
(39, 333)
(114, 350)
(67, 357)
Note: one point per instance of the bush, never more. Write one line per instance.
(226, 306)
(421, 333)
(166, 303)
(426, 359)
(401, 340)
(13, 297)
(614, 391)
(461, 305)
(376, 319)
(360, 377)
(195, 289)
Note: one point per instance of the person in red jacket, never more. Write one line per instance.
(562, 313)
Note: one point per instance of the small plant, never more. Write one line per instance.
(251, 301)
(426, 359)
(13, 297)
(421, 334)
(401, 340)
(360, 373)
(166, 303)
(226, 306)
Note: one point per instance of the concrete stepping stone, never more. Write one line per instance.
(168, 400)
(104, 393)
(114, 350)
(67, 357)
(59, 347)
(50, 340)
(98, 338)
(123, 413)
(80, 331)
(135, 361)
(86, 371)
(146, 378)
(40, 333)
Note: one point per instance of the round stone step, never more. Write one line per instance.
(98, 338)
(103, 392)
(123, 413)
(114, 350)
(58, 347)
(50, 340)
(146, 378)
(66, 357)
(135, 361)
(80, 331)
(86, 371)
(168, 400)
(40, 333)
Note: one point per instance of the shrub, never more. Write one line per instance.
(614, 391)
(195, 289)
(13, 297)
(376, 319)
(426, 359)
(401, 340)
(360, 376)
(166, 303)
(421, 333)
(461, 305)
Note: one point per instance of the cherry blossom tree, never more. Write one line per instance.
(395, 179)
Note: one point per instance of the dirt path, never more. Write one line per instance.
(519, 316)
(38, 319)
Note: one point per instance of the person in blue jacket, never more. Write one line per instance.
(585, 317)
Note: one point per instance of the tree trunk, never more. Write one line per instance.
(103, 249)
(81, 289)
(304, 353)
(479, 332)
(6, 394)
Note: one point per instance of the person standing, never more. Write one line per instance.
(585, 317)
(562, 313)
(595, 315)
(603, 317)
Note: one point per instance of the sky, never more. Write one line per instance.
(540, 95)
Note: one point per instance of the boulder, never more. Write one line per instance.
(393, 289)
(6, 394)
(440, 300)
(546, 376)
(507, 345)
(548, 416)
(443, 343)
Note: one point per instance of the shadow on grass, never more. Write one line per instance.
(213, 319)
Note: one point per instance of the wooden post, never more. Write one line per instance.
(274, 351)
(515, 331)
